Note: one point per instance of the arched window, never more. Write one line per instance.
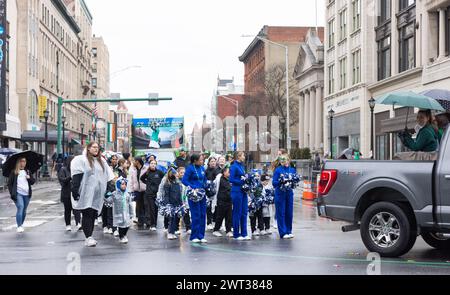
(33, 108)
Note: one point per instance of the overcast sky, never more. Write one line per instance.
(182, 46)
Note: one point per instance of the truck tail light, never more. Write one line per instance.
(327, 180)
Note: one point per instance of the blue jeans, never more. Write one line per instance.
(240, 213)
(22, 205)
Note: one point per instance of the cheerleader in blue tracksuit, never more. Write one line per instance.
(284, 199)
(240, 198)
(195, 178)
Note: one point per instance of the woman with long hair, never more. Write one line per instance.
(65, 179)
(91, 179)
(240, 198)
(427, 137)
(284, 198)
(19, 186)
(195, 179)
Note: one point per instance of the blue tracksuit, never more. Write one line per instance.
(284, 202)
(240, 200)
(195, 178)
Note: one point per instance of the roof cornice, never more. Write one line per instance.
(63, 10)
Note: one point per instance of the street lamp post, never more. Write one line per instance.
(331, 116)
(45, 173)
(372, 131)
(63, 121)
(283, 132)
(90, 136)
(82, 133)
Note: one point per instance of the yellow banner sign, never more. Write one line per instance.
(42, 105)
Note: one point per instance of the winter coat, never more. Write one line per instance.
(237, 170)
(12, 184)
(135, 184)
(173, 193)
(194, 177)
(65, 180)
(426, 140)
(122, 209)
(152, 180)
(224, 191)
(211, 173)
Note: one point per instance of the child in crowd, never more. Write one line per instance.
(187, 216)
(256, 214)
(172, 201)
(224, 208)
(121, 201)
(267, 205)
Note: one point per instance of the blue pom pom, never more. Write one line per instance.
(195, 195)
(289, 181)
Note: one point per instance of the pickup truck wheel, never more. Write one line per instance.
(387, 229)
(436, 240)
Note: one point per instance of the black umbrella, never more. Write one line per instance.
(34, 162)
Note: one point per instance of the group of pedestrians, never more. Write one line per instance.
(188, 193)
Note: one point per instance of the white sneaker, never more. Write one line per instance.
(257, 233)
(116, 233)
(68, 228)
(153, 229)
(20, 229)
(124, 240)
(268, 232)
(239, 239)
(90, 242)
(275, 227)
(286, 237)
(96, 222)
(110, 231)
(263, 233)
(189, 232)
(165, 230)
(172, 237)
(292, 236)
(177, 232)
(217, 234)
(196, 241)
(247, 238)
(210, 227)
(204, 241)
(230, 235)
(79, 227)
(105, 230)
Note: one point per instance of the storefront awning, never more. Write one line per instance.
(39, 136)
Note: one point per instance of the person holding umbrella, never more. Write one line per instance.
(19, 186)
(91, 179)
(427, 138)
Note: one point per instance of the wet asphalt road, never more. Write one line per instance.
(319, 248)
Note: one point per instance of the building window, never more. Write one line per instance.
(94, 52)
(382, 147)
(331, 79)
(356, 9)
(343, 73)
(94, 82)
(404, 4)
(94, 68)
(356, 62)
(407, 47)
(343, 24)
(384, 58)
(385, 11)
(331, 33)
(447, 35)
(33, 108)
